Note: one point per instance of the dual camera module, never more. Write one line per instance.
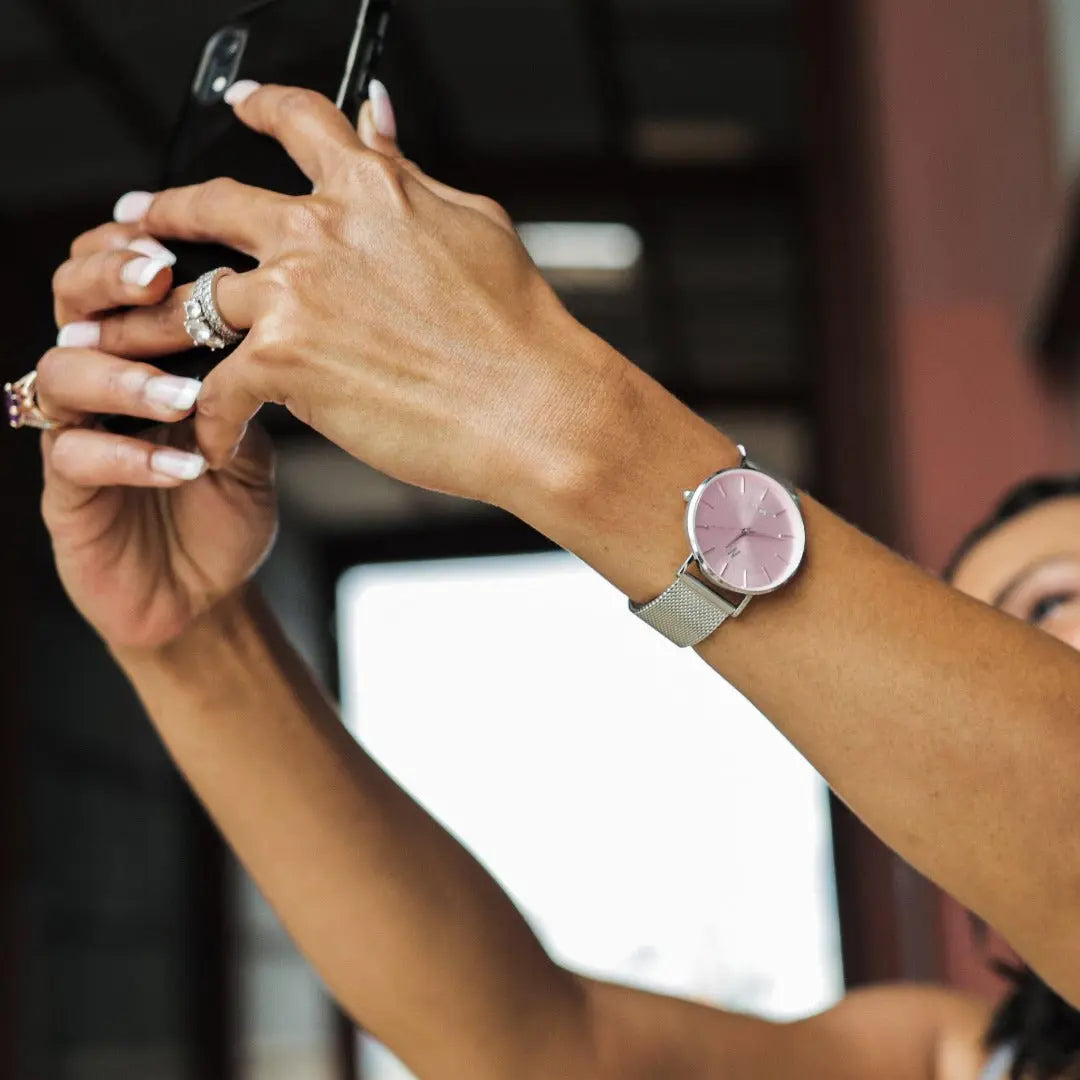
(219, 65)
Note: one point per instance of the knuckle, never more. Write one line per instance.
(114, 383)
(265, 344)
(295, 101)
(65, 455)
(125, 456)
(124, 381)
(275, 281)
(62, 276)
(378, 178)
(221, 186)
(87, 241)
(309, 217)
(494, 210)
(374, 169)
(50, 368)
(209, 194)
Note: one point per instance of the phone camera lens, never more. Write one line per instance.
(220, 64)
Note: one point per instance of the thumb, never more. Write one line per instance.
(377, 125)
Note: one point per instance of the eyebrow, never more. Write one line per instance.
(1017, 580)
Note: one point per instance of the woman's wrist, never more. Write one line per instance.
(221, 634)
(611, 488)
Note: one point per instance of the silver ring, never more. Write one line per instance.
(202, 320)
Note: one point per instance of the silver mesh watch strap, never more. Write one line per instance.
(687, 611)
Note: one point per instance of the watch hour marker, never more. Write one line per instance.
(744, 579)
(720, 487)
(723, 569)
(708, 551)
(780, 557)
(743, 479)
(708, 504)
(765, 571)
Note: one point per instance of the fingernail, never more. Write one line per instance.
(147, 245)
(172, 392)
(240, 91)
(132, 206)
(382, 110)
(80, 335)
(177, 465)
(142, 271)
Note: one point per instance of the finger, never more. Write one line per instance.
(74, 384)
(377, 124)
(314, 132)
(222, 211)
(159, 330)
(227, 403)
(138, 274)
(105, 237)
(84, 458)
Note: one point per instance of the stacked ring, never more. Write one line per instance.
(202, 320)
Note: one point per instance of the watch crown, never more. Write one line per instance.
(687, 496)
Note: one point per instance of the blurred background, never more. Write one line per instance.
(841, 229)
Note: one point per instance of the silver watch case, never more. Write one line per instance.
(693, 498)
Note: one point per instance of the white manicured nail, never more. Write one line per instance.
(382, 110)
(240, 91)
(142, 271)
(80, 335)
(147, 245)
(172, 392)
(177, 465)
(132, 206)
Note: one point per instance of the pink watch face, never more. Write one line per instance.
(746, 531)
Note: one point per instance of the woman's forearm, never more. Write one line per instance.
(952, 730)
(409, 932)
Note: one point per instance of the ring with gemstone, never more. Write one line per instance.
(202, 320)
(20, 401)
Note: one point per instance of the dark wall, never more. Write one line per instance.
(110, 868)
(107, 865)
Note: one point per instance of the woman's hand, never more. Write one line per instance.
(401, 318)
(144, 538)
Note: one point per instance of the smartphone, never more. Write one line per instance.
(332, 46)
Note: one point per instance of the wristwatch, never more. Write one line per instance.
(747, 537)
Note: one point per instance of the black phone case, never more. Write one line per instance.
(331, 46)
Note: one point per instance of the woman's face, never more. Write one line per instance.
(1030, 567)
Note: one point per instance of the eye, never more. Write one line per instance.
(1046, 607)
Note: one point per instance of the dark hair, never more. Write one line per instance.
(1024, 496)
(1041, 1025)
